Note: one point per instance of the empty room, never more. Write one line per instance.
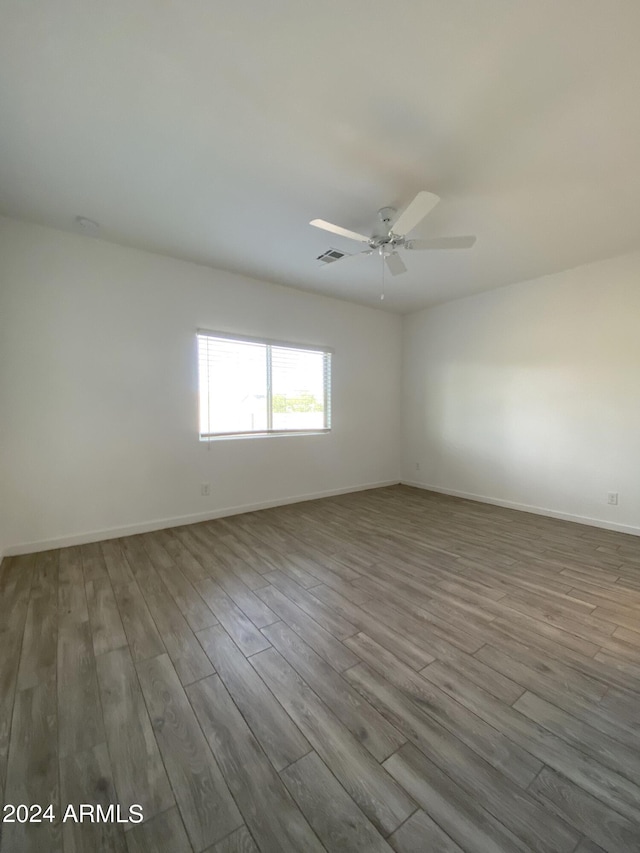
(319, 426)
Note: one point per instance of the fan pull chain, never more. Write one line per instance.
(382, 294)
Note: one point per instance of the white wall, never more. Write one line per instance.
(98, 390)
(530, 394)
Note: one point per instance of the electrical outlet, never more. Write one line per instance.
(205, 490)
(612, 498)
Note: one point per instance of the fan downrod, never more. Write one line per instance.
(386, 242)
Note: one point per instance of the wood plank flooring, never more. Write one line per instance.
(386, 670)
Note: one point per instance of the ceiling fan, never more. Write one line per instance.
(394, 234)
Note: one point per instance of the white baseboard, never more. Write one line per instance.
(536, 510)
(160, 524)
(177, 521)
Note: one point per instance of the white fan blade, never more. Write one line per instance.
(414, 212)
(336, 229)
(395, 263)
(442, 243)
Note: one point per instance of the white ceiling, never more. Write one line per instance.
(214, 131)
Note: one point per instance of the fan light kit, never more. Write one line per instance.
(395, 230)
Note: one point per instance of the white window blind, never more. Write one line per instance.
(255, 387)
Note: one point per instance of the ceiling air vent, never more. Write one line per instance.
(330, 256)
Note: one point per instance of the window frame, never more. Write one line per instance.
(269, 344)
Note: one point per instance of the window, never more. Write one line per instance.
(255, 387)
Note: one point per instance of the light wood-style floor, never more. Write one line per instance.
(387, 670)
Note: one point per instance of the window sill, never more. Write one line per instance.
(273, 434)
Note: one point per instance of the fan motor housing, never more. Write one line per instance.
(388, 242)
